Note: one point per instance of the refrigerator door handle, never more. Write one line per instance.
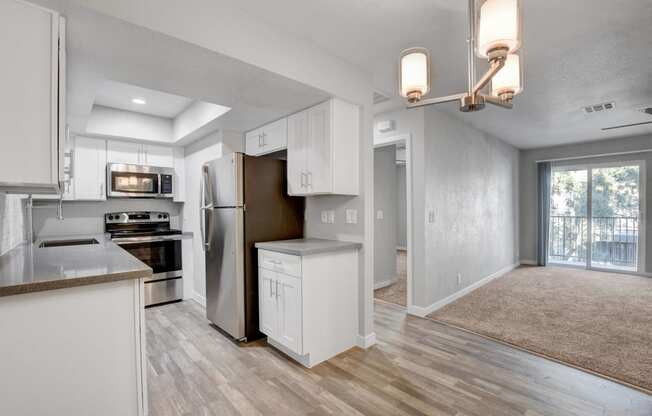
(205, 210)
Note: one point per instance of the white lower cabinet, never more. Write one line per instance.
(308, 304)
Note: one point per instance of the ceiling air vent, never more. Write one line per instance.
(597, 108)
(379, 98)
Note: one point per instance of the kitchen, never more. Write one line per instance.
(117, 154)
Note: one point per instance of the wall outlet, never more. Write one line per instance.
(351, 216)
(380, 214)
(331, 217)
(324, 217)
(431, 217)
(459, 279)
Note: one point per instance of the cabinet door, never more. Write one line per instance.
(290, 322)
(124, 152)
(297, 133)
(28, 82)
(319, 153)
(275, 136)
(254, 142)
(89, 174)
(267, 308)
(162, 156)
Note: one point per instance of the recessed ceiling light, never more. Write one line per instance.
(138, 101)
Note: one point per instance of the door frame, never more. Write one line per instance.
(642, 182)
(406, 139)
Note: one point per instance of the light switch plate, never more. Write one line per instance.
(380, 214)
(351, 216)
(331, 217)
(324, 217)
(431, 217)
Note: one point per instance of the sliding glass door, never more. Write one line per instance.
(595, 216)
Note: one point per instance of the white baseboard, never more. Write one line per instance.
(385, 283)
(199, 299)
(423, 311)
(366, 341)
(529, 262)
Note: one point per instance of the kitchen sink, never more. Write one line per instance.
(61, 243)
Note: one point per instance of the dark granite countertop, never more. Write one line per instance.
(308, 246)
(28, 268)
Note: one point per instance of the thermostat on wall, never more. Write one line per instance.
(385, 126)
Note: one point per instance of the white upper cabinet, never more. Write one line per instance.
(32, 108)
(323, 143)
(89, 169)
(139, 154)
(124, 152)
(270, 138)
(162, 156)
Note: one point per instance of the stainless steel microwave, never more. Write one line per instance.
(139, 181)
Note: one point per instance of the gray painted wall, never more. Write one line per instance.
(401, 213)
(385, 200)
(528, 184)
(469, 180)
(471, 187)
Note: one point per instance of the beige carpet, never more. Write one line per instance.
(396, 292)
(601, 322)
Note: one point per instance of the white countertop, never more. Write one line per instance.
(308, 246)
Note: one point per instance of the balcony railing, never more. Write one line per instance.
(614, 242)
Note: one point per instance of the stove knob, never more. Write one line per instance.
(110, 217)
(165, 215)
(160, 216)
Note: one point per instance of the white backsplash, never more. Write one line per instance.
(13, 221)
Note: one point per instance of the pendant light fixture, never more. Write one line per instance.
(497, 24)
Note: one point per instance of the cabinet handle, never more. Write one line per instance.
(101, 190)
(303, 179)
(263, 136)
(309, 179)
(260, 140)
(277, 292)
(271, 292)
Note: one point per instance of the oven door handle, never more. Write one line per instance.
(136, 240)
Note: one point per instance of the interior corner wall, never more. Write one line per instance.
(471, 199)
(385, 227)
(587, 152)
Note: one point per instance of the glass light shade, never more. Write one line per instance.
(497, 25)
(414, 73)
(509, 80)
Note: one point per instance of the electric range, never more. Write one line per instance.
(147, 236)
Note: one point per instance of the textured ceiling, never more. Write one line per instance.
(576, 53)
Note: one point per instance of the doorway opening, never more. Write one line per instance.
(596, 219)
(392, 231)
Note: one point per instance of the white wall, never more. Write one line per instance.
(471, 189)
(87, 217)
(196, 116)
(13, 222)
(120, 123)
(385, 229)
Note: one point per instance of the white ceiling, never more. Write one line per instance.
(103, 49)
(119, 95)
(576, 53)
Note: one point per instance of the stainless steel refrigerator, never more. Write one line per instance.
(243, 201)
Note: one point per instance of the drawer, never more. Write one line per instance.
(162, 291)
(279, 262)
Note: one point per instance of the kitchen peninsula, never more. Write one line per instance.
(72, 321)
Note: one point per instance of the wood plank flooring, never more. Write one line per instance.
(418, 367)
